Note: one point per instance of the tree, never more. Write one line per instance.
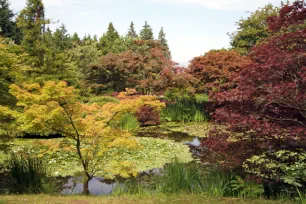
(162, 38)
(266, 113)
(61, 38)
(55, 108)
(216, 70)
(146, 33)
(131, 32)
(107, 40)
(7, 24)
(31, 21)
(252, 29)
(138, 67)
(75, 39)
(12, 69)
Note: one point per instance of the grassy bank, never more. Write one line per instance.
(184, 199)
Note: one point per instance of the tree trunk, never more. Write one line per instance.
(86, 187)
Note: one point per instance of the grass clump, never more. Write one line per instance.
(28, 174)
(179, 177)
(184, 112)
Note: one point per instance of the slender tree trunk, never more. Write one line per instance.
(86, 187)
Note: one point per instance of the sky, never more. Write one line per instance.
(192, 27)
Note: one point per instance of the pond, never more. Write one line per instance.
(164, 138)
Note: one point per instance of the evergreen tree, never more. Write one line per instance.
(62, 39)
(162, 38)
(95, 38)
(146, 33)
(75, 39)
(131, 32)
(108, 39)
(31, 21)
(8, 26)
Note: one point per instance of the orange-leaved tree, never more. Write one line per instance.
(56, 108)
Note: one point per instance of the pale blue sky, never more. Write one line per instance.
(193, 27)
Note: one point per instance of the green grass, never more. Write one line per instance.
(178, 177)
(184, 112)
(169, 199)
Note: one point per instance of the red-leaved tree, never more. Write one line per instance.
(217, 69)
(266, 112)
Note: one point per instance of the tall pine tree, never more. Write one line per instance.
(108, 39)
(131, 32)
(146, 33)
(7, 24)
(162, 38)
(31, 21)
(164, 42)
(62, 39)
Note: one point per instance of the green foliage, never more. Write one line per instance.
(252, 29)
(179, 94)
(62, 158)
(128, 122)
(131, 32)
(246, 189)
(276, 166)
(107, 40)
(178, 177)
(163, 41)
(217, 183)
(12, 69)
(201, 98)
(31, 21)
(28, 174)
(184, 112)
(8, 28)
(146, 33)
(101, 100)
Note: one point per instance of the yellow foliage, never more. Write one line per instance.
(55, 108)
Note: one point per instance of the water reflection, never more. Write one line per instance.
(96, 187)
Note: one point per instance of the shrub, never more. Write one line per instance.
(201, 98)
(128, 122)
(101, 100)
(148, 116)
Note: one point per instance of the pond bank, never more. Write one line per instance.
(175, 198)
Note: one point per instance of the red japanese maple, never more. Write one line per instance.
(267, 110)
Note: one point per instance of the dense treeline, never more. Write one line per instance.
(87, 88)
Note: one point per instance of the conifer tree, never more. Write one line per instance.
(108, 39)
(31, 21)
(7, 24)
(131, 32)
(75, 39)
(61, 38)
(162, 38)
(146, 33)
